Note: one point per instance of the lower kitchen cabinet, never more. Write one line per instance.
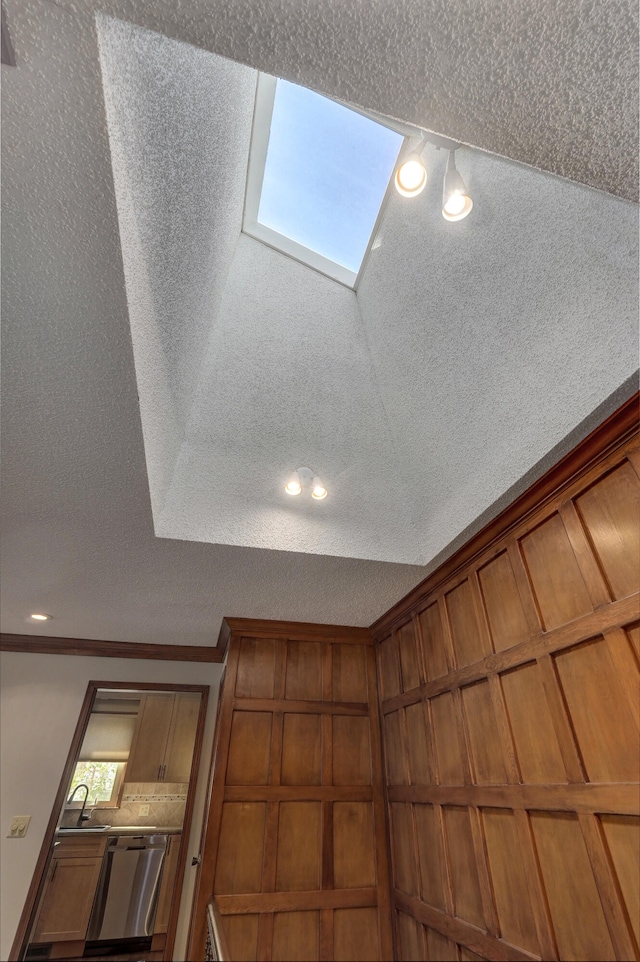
(69, 891)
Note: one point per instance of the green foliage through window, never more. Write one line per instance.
(99, 776)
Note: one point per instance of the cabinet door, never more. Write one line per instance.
(182, 736)
(68, 900)
(148, 747)
(167, 885)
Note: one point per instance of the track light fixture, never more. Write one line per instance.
(411, 178)
(305, 478)
(456, 202)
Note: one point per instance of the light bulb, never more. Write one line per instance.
(293, 485)
(318, 491)
(411, 177)
(40, 617)
(455, 204)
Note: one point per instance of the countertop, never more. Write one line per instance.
(125, 830)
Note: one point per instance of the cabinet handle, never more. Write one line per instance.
(164, 772)
(55, 869)
(159, 773)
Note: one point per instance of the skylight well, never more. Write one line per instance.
(318, 176)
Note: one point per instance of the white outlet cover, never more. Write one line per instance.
(143, 810)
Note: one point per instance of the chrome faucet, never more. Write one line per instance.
(81, 817)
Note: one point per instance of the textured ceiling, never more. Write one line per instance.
(551, 84)
(469, 323)
(78, 535)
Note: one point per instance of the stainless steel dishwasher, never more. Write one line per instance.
(127, 896)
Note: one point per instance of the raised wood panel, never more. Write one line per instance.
(410, 938)
(514, 762)
(408, 650)
(535, 738)
(351, 754)
(468, 640)
(403, 848)
(421, 765)
(445, 733)
(486, 750)
(249, 748)
(353, 845)
(558, 585)
(505, 614)
(606, 730)
(610, 510)
(296, 936)
(430, 855)
(389, 667)
(239, 863)
(256, 668)
(464, 873)
(395, 749)
(622, 834)
(439, 947)
(297, 801)
(302, 749)
(299, 847)
(349, 673)
(304, 670)
(576, 910)
(242, 936)
(355, 935)
(510, 882)
(435, 660)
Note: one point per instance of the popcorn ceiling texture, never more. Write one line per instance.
(78, 536)
(551, 84)
(489, 324)
(179, 129)
(288, 382)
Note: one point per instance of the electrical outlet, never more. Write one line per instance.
(19, 826)
(143, 810)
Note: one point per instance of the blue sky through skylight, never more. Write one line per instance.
(326, 173)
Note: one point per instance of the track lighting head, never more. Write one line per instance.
(318, 490)
(411, 176)
(294, 484)
(456, 202)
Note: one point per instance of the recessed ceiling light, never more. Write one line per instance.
(40, 617)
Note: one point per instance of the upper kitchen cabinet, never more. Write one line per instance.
(164, 738)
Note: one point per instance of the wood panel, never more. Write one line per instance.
(513, 743)
(297, 842)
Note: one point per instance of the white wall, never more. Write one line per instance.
(39, 708)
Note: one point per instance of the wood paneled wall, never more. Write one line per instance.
(509, 698)
(296, 849)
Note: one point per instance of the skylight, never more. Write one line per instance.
(318, 175)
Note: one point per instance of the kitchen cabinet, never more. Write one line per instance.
(69, 890)
(164, 738)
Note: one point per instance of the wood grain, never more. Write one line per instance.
(514, 772)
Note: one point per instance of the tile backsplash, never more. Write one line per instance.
(166, 801)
